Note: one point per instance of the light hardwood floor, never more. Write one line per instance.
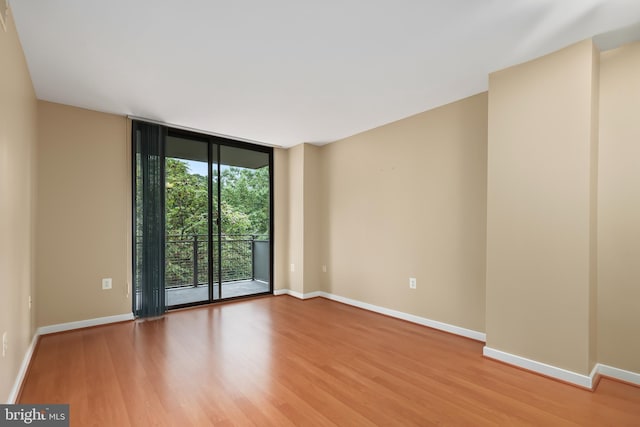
(281, 361)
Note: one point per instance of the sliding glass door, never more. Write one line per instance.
(216, 224)
(245, 226)
(187, 221)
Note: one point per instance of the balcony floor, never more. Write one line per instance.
(190, 294)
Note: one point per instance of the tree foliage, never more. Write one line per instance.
(244, 206)
(186, 200)
(246, 191)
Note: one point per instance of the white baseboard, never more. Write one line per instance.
(43, 330)
(618, 374)
(61, 327)
(581, 380)
(457, 330)
(297, 294)
(22, 372)
(586, 381)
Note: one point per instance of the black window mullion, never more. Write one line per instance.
(219, 207)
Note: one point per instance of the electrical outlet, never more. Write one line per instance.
(412, 282)
(107, 283)
(5, 344)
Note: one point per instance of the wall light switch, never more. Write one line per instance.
(412, 282)
(106, 283)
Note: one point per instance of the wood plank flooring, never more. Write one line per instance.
(285, 362)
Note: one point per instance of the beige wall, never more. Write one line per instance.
(17, 205)
(539, 209)
(281, 218)
(408, 200)
(295, 247)
(619, 209)
(83, 214)
(593, 206)
(303, 230)
(312, 219)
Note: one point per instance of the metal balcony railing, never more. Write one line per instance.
(244, 257)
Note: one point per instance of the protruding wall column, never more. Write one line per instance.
(541, 210)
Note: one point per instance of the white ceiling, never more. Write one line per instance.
(282, 72)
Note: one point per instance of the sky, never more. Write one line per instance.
(200, 168)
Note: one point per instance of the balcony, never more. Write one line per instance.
(244, 264)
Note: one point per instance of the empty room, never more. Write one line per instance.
(329, 213)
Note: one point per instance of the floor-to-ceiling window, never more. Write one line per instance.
(213, 239)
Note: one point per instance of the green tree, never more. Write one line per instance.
(247, 191)
(186, 200)
(244, 207)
